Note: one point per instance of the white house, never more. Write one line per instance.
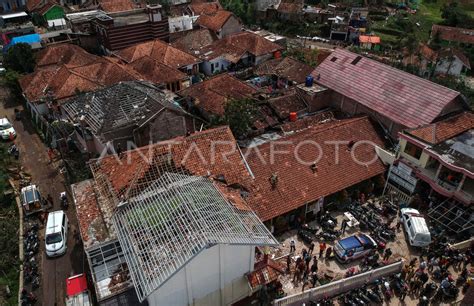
(181, 23)
(453, 62)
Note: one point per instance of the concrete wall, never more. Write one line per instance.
(233, 25)
(214, 277)
(354, 108)
(422, 161)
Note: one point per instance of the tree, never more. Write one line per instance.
(240, 116)
(455, 16)
(11, 81)
(20, 58)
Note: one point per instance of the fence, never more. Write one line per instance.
(462, 245)
(340, 286)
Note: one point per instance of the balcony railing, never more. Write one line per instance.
(447, 185)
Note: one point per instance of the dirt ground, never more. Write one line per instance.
(332, 268)
(34, 160)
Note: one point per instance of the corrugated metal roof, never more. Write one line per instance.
(402, 97)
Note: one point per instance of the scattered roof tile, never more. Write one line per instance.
(234, 46)
(307, 122)
(453, 34)
(265, 272)
(290, 6)
(214, 21)
(284, 105)
(445, 129)
(384, 89)
(195, 40)
(288, 68)
(448, 52)
(212, 94)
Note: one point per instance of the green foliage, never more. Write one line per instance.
(458, 85)
(242, 9)
(20, 58)
(455, 16)
(307, 56)
(38, 20)
(240, 116)
(10, 79)
(9, 263)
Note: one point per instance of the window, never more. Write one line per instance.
(413, 150)
(334, 59)
(212, 67)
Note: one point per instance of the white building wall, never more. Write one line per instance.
(454, 69)
(181, 23)
(219, 64)
(214, 277)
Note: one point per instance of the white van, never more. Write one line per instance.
(415, 227)
(56, 233)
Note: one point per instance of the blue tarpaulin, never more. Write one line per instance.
(28, 39)
(34, 40)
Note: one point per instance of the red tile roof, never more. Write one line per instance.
(264, 273)
(443, 130)
(369, 39)
(234, 46)
(159, 51)
(211, 153)
(111, 6)
(194, 40)
(67, 54)
(288, 68)
(291, 6)
(284, 105)
(214, 21)
(40, 6)
(384, 89)
(62, 82)
(156, 72)
(297, 183)
(205, 7)
(453, 34)
(212, 95)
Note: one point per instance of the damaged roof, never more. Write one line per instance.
(212, 95)
(453, 34)
(194, 40)
(288, 68)
(120, 105)
(59, 82)
(288, 103)
(384, 89)
(234, 46)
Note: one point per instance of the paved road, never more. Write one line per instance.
(34, 159)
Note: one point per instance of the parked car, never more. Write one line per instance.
(56, 233)
(31, 200)
(415, 227)
(6, 129)
(354, 247)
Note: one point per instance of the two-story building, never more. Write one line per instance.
(436, 162)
